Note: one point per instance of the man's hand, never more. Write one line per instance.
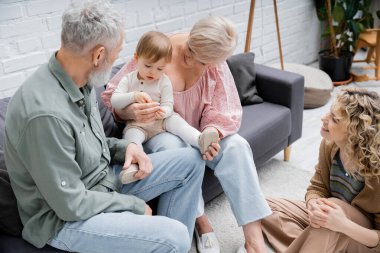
(148, 210)
(134, 154)
(142, 113)
(142, 97)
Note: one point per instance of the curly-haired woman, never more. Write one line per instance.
(342, 208)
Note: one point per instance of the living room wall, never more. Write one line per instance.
(30, 29)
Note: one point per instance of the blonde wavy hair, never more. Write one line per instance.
(212, 39)
(360, 109)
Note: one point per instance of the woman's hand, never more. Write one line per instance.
(212, 151)
(142, 113)
(313, 208)
(135, 154)
(325, 213)
(335, 218)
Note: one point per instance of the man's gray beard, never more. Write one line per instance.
(99, 77)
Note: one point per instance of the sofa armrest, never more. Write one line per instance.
(284, 88)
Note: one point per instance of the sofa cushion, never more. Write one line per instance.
(265, 126)
(10, 222)
(243, 71)
(10, 244)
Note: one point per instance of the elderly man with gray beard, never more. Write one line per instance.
(59, 159)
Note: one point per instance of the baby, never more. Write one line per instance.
(147, 84)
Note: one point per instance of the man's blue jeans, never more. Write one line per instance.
(176, 179)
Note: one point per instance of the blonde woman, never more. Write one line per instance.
(205, 96)
(342, 208)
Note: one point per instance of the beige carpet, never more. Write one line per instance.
(277, 178)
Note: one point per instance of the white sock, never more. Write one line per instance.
(175, 124)
(134, 135)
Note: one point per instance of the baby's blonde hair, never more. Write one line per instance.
(360, 109)
(154, 46)
(212, 39)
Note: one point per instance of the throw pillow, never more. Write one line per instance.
(243, 71)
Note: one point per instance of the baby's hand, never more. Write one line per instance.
(160, 114)
(142, 97)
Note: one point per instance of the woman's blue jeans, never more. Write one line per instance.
(236, 171)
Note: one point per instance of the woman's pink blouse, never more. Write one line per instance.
(212, 101)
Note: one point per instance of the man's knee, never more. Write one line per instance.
(193, 157)
(162, 142)
(177, 236)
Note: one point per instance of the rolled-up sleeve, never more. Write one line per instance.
(52, 164)
(117, 148)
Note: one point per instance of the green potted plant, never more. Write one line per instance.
(342, 22)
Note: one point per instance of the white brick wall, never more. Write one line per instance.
(30, 29)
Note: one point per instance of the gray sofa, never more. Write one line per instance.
(272, 120)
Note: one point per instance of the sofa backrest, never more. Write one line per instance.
(10, 222)
(3, 109)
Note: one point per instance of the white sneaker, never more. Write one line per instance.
(207, 243)
(242, 249)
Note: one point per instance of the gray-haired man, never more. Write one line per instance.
(58, 157)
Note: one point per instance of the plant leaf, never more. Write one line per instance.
(352, 7)
(366, 5)
(338, 13)
(355, 29)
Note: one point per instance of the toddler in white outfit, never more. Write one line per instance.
(149, 84)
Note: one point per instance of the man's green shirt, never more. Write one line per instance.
(58, 157)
